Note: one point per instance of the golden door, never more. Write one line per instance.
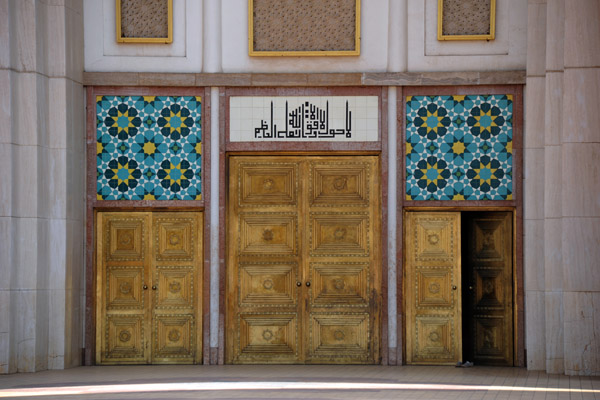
(432, 288)
(148, 287)
(487, 291)
(303, 259)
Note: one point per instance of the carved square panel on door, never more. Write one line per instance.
(174, 239)
(339, 284)
(268, 234)
(268, 184)
(434, 339)
(124, 288)
(339, 335)
(434, 287)
(489, 288)
(175, 288)
(434, 239)
(268, 335)
(489, 239)
(268, 284)
(125, 239)
(334, 234)
(489, 331)
(339, 184)
(125, 337)
(174, 338)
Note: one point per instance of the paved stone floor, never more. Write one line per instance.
(296, 382)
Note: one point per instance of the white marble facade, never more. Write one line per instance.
(42, 152)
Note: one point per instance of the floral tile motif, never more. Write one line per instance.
(148, 148)
(459, 147)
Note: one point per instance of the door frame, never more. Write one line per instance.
(516, 204)
(229, 148)
(517, 273)
(93, 206)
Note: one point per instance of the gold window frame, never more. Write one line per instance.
(168, 39)
(287, 53)
(490, 36)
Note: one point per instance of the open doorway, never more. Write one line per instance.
(458, 280)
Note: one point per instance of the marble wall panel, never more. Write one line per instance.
(535, 329)
(581, 99)
(581, 175)
(581, 255)
(536, 39)
(582, 21)
(554, 332)
(582, 345)
(5, 106)
(534, 112)
(533, 249)
(533, 183)
(555, 34)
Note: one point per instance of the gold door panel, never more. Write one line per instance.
(124, 288)
(124, 338)
(337, 234)
(340, 284)
(267, 184)
(432, 288)
(148, 287)
(268, 284)
(267, 337)
(303, 259)
(343, 336)
(335, 184)
(268, 234)
(125, 239)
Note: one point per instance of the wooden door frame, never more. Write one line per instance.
(517, 271)
(515, 205)
(93, 206)
(228, 148)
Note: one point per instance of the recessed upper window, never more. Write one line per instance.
(144, 21)
(304, 28)
(466, 19)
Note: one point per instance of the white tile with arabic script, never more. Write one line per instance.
(304, 118)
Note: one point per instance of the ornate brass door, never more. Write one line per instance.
(432, 288)
(303, 279)
(488, 313)
(149, 266)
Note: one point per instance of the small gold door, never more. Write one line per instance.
(149, 266)
(303, 260)
(444, 323)
(432, 288)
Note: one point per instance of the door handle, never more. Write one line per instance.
(453, 287)
(470, 287)
(307, 283)
(153, 287)
(145, 287)
(298, 283)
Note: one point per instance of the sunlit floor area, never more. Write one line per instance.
(296, 382)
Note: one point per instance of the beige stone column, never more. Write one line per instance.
(533, 186)
(580, 145)
(552, 191)
(42, 155)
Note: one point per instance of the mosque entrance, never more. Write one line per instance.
(459, 287)
(303, 260)
(148, 304)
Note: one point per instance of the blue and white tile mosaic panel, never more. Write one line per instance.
(459, 147)
(148, 148)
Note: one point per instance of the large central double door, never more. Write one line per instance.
(303, 265)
